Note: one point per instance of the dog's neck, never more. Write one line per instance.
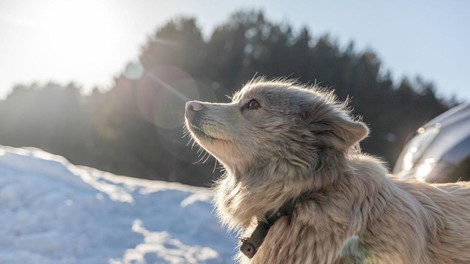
(244, 196)
(239, 204)
(251, 244)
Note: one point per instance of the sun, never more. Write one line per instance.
(81, 41)
(76, 29)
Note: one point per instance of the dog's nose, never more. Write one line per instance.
(192, 107)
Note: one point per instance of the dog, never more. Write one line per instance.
(298, 189)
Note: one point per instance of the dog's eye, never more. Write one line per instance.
(253, 104)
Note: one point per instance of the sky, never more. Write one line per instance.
(90, 41)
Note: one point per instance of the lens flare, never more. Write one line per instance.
(134, 70)
(162, 94)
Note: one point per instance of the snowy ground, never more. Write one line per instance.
(54, 212)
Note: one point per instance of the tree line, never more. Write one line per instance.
(135, 127)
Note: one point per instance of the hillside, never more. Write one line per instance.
(52, 211)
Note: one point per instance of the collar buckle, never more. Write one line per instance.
(250, 245)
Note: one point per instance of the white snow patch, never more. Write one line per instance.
(54, 212)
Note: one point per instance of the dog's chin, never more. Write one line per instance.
(200, 134)
(216, 146)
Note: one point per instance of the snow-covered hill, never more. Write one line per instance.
(54, 212)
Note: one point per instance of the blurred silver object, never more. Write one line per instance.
(440, 150)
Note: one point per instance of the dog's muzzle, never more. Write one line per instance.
(193, 108)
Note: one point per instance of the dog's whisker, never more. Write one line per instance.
(192, 145)
(207, 158)
(216, 165)
(190, 142)
(202, 158)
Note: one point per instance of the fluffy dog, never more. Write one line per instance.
(280, 142)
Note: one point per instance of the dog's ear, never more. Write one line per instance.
(347, 132)
(334, 128)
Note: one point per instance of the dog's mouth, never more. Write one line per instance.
(200, 133)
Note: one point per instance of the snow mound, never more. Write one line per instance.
(54, 212)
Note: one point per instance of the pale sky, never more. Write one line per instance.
(90, 41)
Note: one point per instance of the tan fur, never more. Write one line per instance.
(301, 139)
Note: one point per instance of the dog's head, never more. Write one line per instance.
(274, 121)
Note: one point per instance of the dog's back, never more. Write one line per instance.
(446, 218)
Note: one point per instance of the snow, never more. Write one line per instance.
(52, 211)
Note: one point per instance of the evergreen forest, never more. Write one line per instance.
(135, 127)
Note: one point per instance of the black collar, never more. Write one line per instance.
(250, 245)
